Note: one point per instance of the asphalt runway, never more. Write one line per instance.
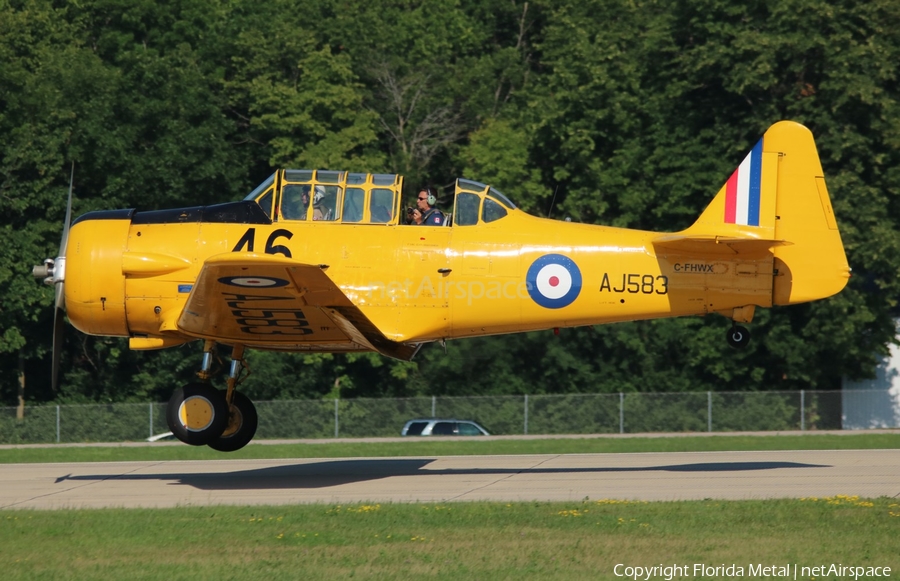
(644, 476)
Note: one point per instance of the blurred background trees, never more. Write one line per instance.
(606, 111)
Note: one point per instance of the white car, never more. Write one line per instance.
(442, 427)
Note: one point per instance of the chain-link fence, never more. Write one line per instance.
(619, 413)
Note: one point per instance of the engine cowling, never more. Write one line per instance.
(95, 283)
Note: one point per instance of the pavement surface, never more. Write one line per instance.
(550, 477)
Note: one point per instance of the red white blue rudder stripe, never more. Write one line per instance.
(743, 190)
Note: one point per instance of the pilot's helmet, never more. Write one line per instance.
(320, 195)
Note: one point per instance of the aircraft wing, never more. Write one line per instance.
(272, 302)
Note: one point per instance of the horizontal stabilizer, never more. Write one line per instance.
(713, 245)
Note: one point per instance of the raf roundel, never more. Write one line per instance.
(554, 281)
(253, 281)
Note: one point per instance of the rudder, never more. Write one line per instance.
(813, 264)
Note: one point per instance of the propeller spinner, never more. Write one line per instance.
(53, 273)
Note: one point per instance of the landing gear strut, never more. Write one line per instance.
(739, 337)
(242, 418)
(242, 422)
(198, 414)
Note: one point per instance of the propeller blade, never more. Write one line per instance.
(59, 327)
(60, 302)
(65, 235)
(59, 320)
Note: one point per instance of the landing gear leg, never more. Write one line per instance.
(197, 412)
(204, 373)
(242, 417)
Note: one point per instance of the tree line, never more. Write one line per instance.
(619, 112)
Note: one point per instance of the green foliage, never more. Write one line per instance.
(497, 153)
(296, 95)
(605, 111)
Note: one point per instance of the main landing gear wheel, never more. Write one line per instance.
(738, 337)
(241, 428)
(197, 414)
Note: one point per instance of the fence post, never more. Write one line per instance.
(57, 424)
(621, 413)
(526, 414)
(434, 406)
(802, 410)
(336, 424)
(151, 419)
(708, 411)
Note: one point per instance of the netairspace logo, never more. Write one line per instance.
(786, 571)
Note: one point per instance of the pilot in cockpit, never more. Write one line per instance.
(425, 202)
(294, 202)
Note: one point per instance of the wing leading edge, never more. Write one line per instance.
(271, 302)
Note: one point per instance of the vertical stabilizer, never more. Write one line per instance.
(778, 194)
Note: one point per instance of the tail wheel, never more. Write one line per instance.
(242, 423)
(738, 337)
(197, 414)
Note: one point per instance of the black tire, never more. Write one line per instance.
(241, 426)
(197, 414)
(738, 337)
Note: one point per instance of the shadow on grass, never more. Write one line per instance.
(339, 472)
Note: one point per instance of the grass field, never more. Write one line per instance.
(488, 541)
(427, 447)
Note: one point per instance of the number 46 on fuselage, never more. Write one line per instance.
(322, 261)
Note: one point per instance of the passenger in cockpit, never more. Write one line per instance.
(320, 212)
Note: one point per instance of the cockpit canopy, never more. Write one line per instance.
(329, 196)
(476, 202)
(362, 198)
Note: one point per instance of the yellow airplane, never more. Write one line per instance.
(323, 261)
